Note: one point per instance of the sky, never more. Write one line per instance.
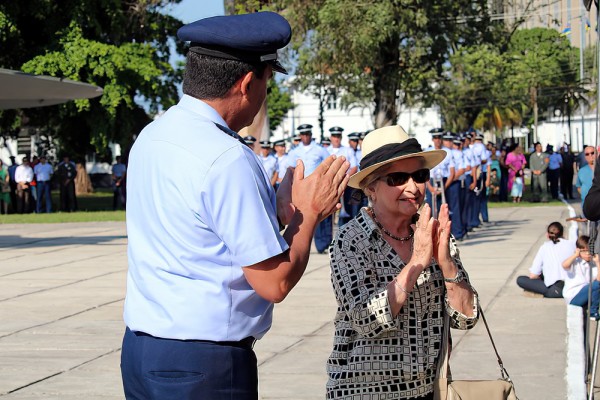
(193, 10)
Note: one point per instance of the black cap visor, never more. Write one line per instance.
(239, 55)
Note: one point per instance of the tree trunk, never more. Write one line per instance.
(385, 84)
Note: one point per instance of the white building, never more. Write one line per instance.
(355, 119)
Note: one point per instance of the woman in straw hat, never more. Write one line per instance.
(394, 277)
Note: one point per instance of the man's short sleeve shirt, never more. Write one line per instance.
(311, 155)
(200, 207)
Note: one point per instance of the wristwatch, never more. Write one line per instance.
(458, 278)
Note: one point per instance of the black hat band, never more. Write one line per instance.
(389, 151)
(238, 55)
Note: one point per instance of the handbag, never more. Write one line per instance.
(445, 388)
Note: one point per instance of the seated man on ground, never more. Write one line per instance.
(546, 275)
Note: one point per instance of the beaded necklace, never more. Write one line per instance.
(390, 234)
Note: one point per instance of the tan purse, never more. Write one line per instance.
(445, 388)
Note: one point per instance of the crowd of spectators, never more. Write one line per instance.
(26, 187)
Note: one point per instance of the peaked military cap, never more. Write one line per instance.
(479, 136)
(436, 132)
(325, 141)
(448, 136)
(249, 139)
(252, 38)
(279, 143)
(363, 134)
(354, 136)
(265, 144)
(336, 130)
(305, 128)
(457, 140)
(296, 137)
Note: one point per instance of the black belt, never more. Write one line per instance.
(246, 343)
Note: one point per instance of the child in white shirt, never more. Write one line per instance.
(578, 277)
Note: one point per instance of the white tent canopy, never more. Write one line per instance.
(21, 90)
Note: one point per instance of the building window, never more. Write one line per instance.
(332, 101)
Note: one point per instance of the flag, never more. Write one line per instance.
(566, 31)
(587, 25)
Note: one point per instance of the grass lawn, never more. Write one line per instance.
(94, 207)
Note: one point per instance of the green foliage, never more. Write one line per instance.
(494, 87)
(122, 46)
(278, 104)
(384, 53)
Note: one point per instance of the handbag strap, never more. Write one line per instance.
(503, 371)
(443, 364)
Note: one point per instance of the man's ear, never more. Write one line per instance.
(245, 82)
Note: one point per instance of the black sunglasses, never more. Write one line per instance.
(400, 178)
(590, 154)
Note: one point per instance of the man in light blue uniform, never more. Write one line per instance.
(269, 161)
(312, 155)
(349, 209)
(469, 193)
(281, 156)
(206, 259)
(480, 160)
(452, 185)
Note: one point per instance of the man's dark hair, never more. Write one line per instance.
(211, 78)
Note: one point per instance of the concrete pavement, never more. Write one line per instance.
(62, 288)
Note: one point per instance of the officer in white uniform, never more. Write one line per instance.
(453, 185)
(480, 157)
(469, 194)
(350, 207)
(269, 161)
(206, 260)
(312, 154)
(281, 156)
(441, 173)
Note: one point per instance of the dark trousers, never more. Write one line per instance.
(166, 369)
(352, 200)
(43, 192)
(538, 286)
(553, 177)
(119, 197)
(566, 183)
(474, 221)
(504, 186)
(68, 202)
(468, 202)
(453, 199)
(324, 234)
(23, 200)
(581, 298)
(483, 203)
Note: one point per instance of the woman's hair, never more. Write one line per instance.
(555, 236)
(211, 78)
(582, 242)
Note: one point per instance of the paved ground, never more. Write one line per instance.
(62, 288)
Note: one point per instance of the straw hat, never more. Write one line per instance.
(386, 145)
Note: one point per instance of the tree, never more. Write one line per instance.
(386, 53)
(120, 45)
(278, 104)
(493, 86)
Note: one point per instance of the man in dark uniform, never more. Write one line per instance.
(66, 172)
